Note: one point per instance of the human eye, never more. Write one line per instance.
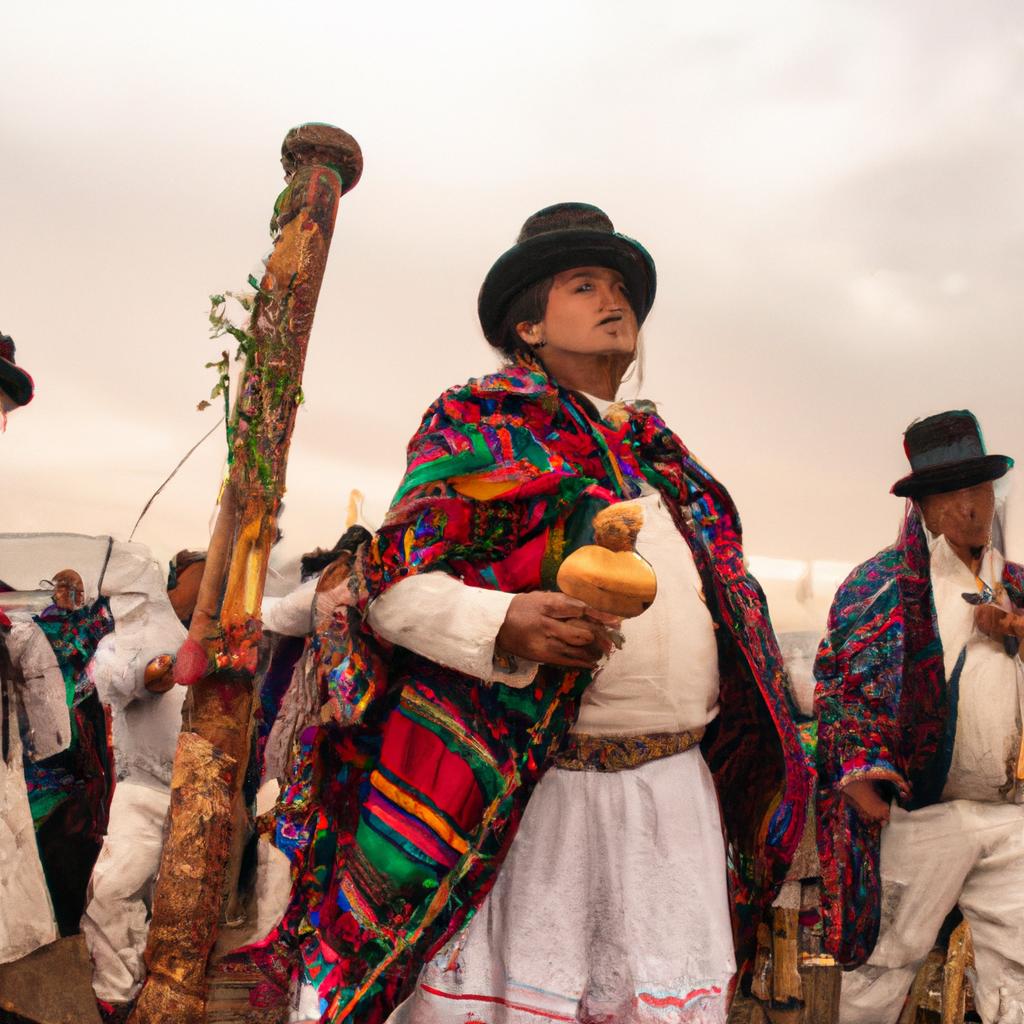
(585, 286)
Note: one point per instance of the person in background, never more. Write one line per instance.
(131, 673)
(70, 792)
(919, 690)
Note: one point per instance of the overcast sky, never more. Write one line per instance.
(832, 193)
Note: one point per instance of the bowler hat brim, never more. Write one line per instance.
(953, 477)
(552, 252)
(15, 382)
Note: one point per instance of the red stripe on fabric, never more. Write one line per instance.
(661, 1001)
(420, 835)
(415, 755)
(500, 1001)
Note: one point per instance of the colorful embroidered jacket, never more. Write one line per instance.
(405, 801)
(884, 713)
(84, 770)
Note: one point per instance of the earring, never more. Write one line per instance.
(539, 344)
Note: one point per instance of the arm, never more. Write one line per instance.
(440, 618)
(41, 690)
(145, 625)
(488, 634)
(859, 672)
(291, 615)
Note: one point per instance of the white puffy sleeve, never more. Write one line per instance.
(439, 617)
(145, 625)
(41, 691)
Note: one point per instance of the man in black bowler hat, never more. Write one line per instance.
(919, 703)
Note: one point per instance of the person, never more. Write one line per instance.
(146, 718)
(35, 725)
(32, 701)
(918, 702)
(70, 792)
(475, 718)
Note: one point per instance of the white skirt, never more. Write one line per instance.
(611, 906)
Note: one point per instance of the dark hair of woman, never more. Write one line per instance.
(530, 305)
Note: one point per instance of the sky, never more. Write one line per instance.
(831, 191)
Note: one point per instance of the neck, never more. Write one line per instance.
(597, 375)
(970, 556)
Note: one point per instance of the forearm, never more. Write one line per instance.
(439, 617)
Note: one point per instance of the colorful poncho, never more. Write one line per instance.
(884, 713)
(83, 771)
(404, 803)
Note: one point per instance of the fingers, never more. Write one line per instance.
(602, 618)
(554, 628)
(561, 606)
(559, 653)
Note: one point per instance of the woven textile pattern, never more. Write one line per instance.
(404, 802)
(84, 771)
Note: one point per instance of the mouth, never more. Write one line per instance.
(616, 318)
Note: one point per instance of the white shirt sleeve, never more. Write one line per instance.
(145, 625)
(291, 615)
(439, 617)
(43, 696)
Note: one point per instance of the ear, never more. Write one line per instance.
(529, 331)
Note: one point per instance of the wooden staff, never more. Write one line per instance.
(219, 656)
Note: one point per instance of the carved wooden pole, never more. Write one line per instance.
(219, 656)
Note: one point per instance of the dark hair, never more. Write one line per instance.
(180, 562)
(530, 305)
(314, 562)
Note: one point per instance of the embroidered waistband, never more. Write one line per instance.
(581, 752)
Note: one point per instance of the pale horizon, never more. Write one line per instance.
(831, 191)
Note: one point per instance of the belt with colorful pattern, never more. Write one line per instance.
(581, 752)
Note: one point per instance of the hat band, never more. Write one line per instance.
(960, 450)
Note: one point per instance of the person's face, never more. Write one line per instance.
(963, 517)
(588, 313)
(68, 590)
(186, 591)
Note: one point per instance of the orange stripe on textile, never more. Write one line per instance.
(415, 808)
(419, 758)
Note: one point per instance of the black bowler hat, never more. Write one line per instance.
(559, 238)
(947, 453)
(14, 381)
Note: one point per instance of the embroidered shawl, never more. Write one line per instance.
(884, 713)
(404, 802)
(85, 768)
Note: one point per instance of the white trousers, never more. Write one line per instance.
(116, 919)
(961, 851)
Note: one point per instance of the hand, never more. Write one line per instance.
(866, 800)
(997, 623)
(555, 629)
(159, 677)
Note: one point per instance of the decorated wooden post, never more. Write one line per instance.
(218, 659)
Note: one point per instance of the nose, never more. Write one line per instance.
(611, 296)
